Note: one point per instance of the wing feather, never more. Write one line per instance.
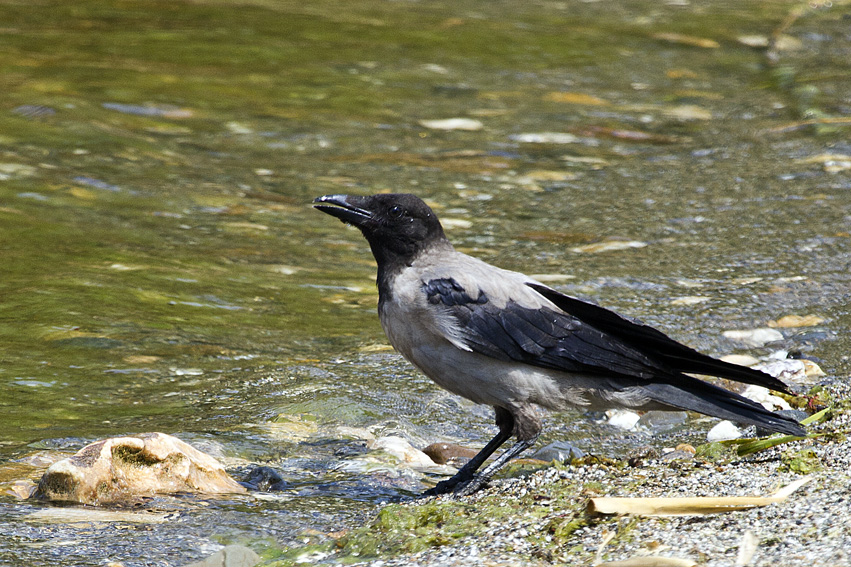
(540, 336)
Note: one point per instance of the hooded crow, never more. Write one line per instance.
(500, 338)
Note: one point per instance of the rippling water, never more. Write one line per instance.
(162, 269)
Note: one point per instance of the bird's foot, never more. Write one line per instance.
(473, 485)
(458, 486)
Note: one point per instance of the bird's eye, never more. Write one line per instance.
(396, 211)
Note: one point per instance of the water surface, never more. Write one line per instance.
(162, 269)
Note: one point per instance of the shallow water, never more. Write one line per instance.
(162, 268)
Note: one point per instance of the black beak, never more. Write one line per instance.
(345, 208)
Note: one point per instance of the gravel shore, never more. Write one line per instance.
(540, 519)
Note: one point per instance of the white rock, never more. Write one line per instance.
(624, 419)
(723, 431)
(402, 450)
(763, 396)
(608, 246)
(754, 337)
(467, 124)
(450, 223)
(786, 369)
(544, 138)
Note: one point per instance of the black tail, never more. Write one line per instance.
(696, 395)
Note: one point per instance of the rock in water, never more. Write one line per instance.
(123, 469)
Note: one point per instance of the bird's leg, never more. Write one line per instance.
(481, 478)
(525, 425)
(505, 422)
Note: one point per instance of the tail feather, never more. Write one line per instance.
(696, 395)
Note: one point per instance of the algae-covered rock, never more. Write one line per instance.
(123, 469)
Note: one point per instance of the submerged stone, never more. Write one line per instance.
(560, 451)
(229, 556)
(124, 469)
(754, 337)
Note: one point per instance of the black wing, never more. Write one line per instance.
(582, 337)
(647, 339)
(541, 337)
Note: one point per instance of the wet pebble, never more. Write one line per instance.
(559, 451)
(265, 479)
(449, 453)
(723, 431)
(754, 337)
(402, 450)
(155, 111)
(677, 455)
(229, 556)
(662, 420)
(9, 170)
(608, 246)
(794, 370)
(544, 138)
(623, 419)
(96, 183)
(764, 397)
(467, 124)
(793, 321)
(33, 111)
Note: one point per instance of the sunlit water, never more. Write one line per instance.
(162, 269)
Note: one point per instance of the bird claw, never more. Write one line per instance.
(473, 485)
(457, 486)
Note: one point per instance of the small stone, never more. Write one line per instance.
(689, 300)
(467, 124)
(163, 111)
(624, 419)
(575, 98)
(544, 138)
(662, 420)
(451, 223)
(753, 40)
(792, 321)
(723, 431)
(754, 337)
(449, 453)
(676, 455)
(682, 39)
(17, 170)
(764, 397)
(238, 128)
(640, 454)
(33, 110)
(559, 451)
(230, 556)
(402, 450)
(792, 370)
(688, 112)
(265, 479)
(608, 246)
